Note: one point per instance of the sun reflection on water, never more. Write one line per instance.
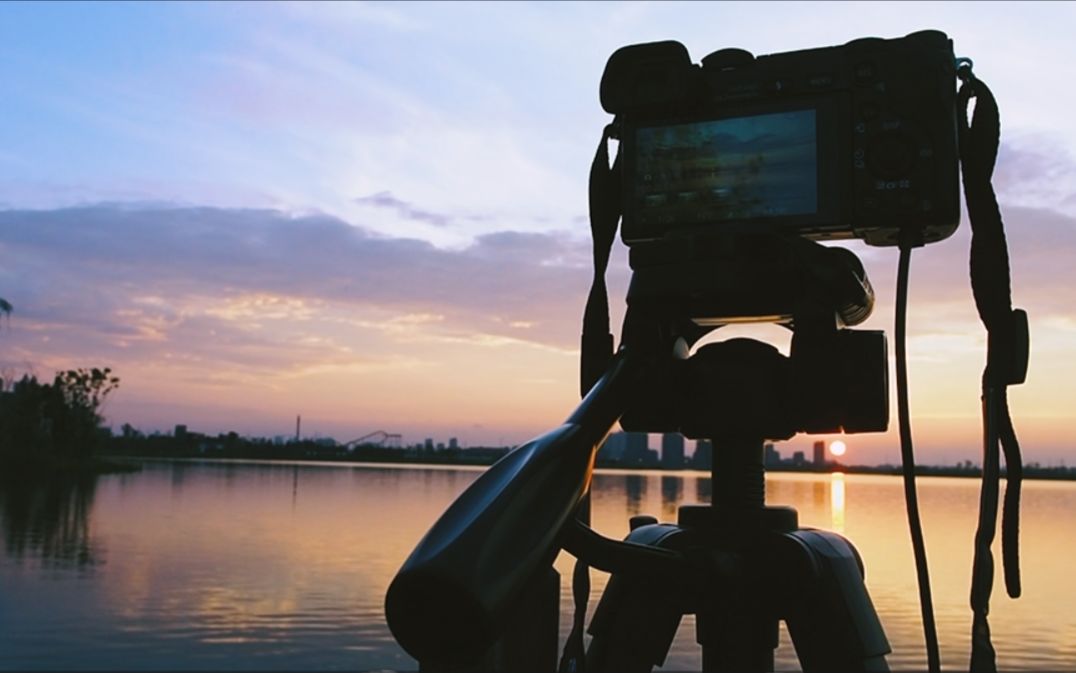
(836, 501)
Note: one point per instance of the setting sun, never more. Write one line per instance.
(837, 448)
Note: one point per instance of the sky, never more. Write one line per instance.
(374, 215)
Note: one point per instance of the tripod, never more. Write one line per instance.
(744, 567)
(476, 592)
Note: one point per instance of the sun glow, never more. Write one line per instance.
(837, 448)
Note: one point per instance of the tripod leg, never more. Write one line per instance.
(735, 639)
(831, 620)
(638, 615)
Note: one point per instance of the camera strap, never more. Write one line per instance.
(596, 352)
(597, 340)
(1007, 356)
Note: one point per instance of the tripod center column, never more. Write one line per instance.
(739, 476)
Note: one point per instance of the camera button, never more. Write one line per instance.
(889, 154)
(864, 73)
(783, 85)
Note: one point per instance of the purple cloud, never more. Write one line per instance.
(404, 209)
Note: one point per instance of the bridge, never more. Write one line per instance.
(376, 438)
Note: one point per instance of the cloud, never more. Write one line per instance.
(1036, 171)
(253, 307)
(139, 277)
(404, 209)
(134, 274)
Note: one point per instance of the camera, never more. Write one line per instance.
(851, 141)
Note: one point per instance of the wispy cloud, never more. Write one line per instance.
(404, 209)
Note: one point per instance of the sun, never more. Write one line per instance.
(837, 448)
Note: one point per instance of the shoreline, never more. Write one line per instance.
(10, 469)
(1039, 474)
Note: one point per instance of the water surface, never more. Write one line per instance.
(248, 565)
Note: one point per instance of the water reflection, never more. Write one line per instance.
(48, 520)
(704, 489)
(214, 565)
(836, 501)
(672, 491)
(818, 493)
(635, 489)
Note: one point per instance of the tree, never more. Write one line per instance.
(82, 392)
(61, 419)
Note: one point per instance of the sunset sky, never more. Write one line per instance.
(374, 215)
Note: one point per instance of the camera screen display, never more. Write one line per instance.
(748, 167)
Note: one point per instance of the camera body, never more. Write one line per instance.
(853, 141)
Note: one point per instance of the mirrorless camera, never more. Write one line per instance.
(854, 141)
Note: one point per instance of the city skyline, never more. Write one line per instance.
(252, 212)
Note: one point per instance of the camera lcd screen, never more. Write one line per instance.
(736, 168)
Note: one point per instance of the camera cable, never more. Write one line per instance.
(911, 500)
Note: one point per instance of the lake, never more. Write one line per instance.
(258, 565)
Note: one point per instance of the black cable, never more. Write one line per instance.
(573, 659)
(911, 500)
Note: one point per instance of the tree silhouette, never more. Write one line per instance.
(41, 422)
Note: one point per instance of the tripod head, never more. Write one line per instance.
(834, 379)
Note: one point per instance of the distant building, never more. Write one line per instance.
(627, 448)
(612, 451)
(440, 446)
(637, 449)
(650, 458)
(180, 432)
(482, 456)
(453, 443)
(704, 455)
(429, 444)
(771, 456)
(672, 450)
(820, 452)
(798, 459)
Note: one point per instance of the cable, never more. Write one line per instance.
(911, 500)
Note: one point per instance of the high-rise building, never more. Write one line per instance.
(637, 448)
(627, 448)
(798, 459)
(704, 455)
(429, 444)
(672, 450)
(612, 451)
(820, 452)
(772, 457)
(453, 443)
